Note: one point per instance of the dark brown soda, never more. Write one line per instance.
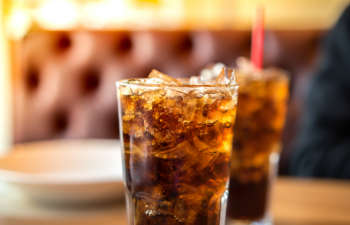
(177, 150)
(261, 111)
(248, 201)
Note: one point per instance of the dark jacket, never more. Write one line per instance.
(322, 146)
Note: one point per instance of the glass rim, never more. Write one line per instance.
(278, 75)
(126, 82)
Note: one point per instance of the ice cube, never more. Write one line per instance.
(178, 151)
(226, 76)
(194, 80)
(211, 72)
(231, 76)
(163, 78)
(218, 74)
(247, 71)
(245, 65)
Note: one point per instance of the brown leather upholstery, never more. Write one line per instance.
(65, 85)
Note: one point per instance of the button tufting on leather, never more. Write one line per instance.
(124, 44)
(32, 79)
(90, 80)
(96, 59)
(60, 121)
(63, 42)
(185, 44)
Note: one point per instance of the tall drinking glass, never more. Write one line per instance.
(262, 103)
(177, 141)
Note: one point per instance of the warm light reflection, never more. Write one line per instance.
(104, 13)
(114, 14)
(57, 14)
(5, 83)
(18, 24)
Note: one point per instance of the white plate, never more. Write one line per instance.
(65, 171)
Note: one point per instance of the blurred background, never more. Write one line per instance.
(59, 59)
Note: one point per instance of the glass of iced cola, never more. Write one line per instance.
(262, 104)
(177, 141)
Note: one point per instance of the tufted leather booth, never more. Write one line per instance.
(63, 81)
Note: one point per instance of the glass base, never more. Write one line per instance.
(265, 221)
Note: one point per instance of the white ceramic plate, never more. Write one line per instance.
(65, 171)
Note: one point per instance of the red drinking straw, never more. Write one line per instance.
(257, 48)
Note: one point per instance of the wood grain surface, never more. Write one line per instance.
(295, 202)
(311, 202)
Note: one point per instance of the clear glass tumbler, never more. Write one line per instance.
(177, 142)
(262, 104)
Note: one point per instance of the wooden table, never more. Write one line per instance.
(295, 202)
(311, 202)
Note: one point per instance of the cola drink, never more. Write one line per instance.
(262, 105)
(177, 144)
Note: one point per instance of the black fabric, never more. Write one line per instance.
(322, 146)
